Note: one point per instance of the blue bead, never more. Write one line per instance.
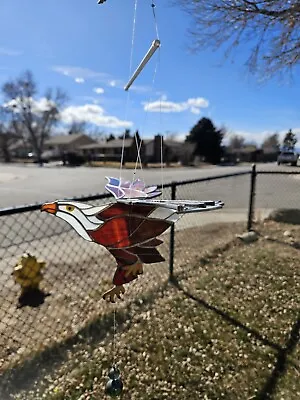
(114, 387)
(114, 373)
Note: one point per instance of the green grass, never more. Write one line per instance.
(227, 329)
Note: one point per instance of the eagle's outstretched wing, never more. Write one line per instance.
(130, 229)
(126, 225)
(129, 232)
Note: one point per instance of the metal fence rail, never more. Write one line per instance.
(271, 190)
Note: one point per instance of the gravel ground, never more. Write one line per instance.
(228, 328)
(76, 292)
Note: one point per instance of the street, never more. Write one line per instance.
(54, 240)
(29, 184)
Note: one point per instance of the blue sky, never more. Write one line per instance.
(85, 49)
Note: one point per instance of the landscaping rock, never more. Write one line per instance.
(248, 237)
(287, 233)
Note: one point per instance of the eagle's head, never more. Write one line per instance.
(82, 217)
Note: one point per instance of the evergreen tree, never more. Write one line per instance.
(137, 137)
(208, 140)
(126, 134)
(110, 137)
(290, 140)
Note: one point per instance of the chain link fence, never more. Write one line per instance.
(194, 232)
(76, 275)
(276, 190)
(78, 272)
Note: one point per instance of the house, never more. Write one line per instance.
(112, 150)
(182, 152)
(172, 151)
(54, 146)
(247, 153)
(59, 144)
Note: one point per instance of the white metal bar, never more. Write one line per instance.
(154, 46)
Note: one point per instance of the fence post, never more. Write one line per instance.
(172, 238)
(252, 197)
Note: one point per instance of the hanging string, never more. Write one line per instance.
(162, 162)
(123, 139)
(153, 6)
(138, 158)
(133, 37)
(138, 145)
(155, 19)
(114, 338)
(130, 72)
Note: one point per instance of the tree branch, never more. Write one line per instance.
(272, 28)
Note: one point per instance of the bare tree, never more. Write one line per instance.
(270, 27)
(168, 135)
(32, 119)
(271, 142)
(236, 142)
(77, 127)
(4, 136)
(4, 143)
(95, 133)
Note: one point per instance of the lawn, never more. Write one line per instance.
(228, 328)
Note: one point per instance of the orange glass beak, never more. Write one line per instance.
(49, 207)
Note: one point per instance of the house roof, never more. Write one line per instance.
(19, 144)
(111, 144)
(246, 149)
(65, 139)
(270, 149)
(179, 146)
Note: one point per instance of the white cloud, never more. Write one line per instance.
(112, 83)
(255, 137)
(98, 90)
(194, 105)
(93, 114)
(43, 104)
(195, 110)
(90, 99)
(89, 113)
(198, 102)
(81, 73)
(163, 106)
(37, 106)
(10, 52)
(140, 89)
(79, 80)
(259, 136)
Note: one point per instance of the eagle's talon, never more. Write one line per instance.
(134, 269)
(109, 296)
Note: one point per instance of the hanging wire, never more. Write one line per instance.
(123, 139)
(162, 165)
(133, 37)
(138, 160)
(153, 6)
(114, 338)
(138, 156)
(138, 145)
(130, 71)
(155, 19)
